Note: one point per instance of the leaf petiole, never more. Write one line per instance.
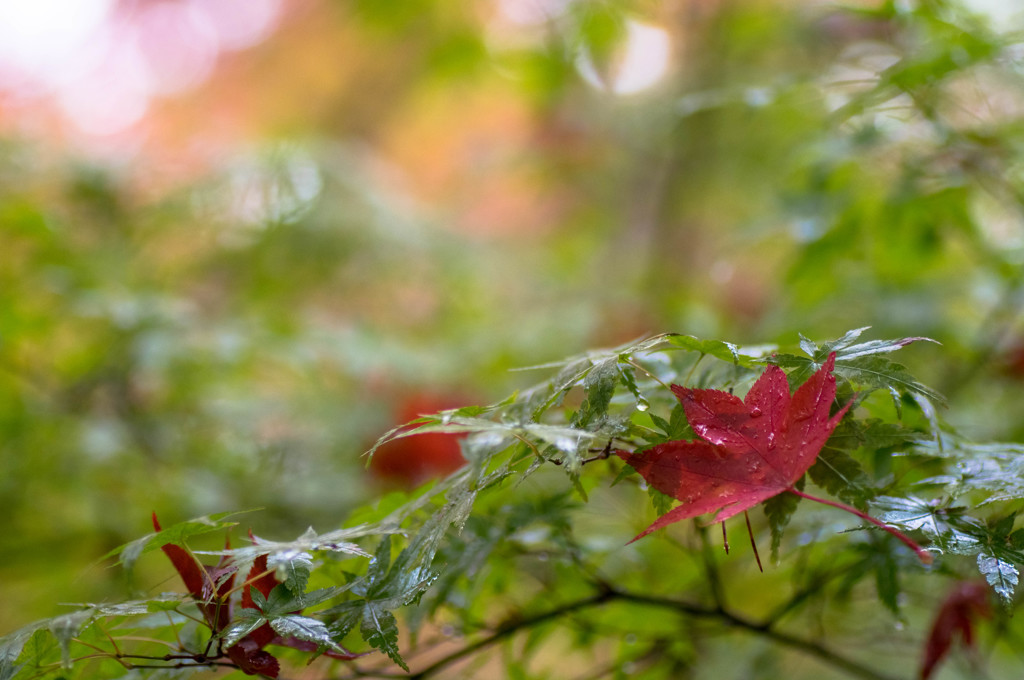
(753, 543)
(923, 555)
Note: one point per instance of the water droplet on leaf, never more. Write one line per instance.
(755, 412)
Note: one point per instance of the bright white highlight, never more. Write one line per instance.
(531, 12)
(639, 64)
(177, 44)
(239, 23)
(102, 65)
(39, 37)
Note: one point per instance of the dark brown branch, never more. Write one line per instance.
(809, 647)
(609, 594)
(510, 628)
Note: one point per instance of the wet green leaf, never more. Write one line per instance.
(1001, 575)
(380, 630)
(725, 351)
(841, 475)
(306, 628)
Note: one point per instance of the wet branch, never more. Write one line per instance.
(609, 594)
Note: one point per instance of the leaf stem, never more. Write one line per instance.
(632, 362)
(753, 543)
(686, 380)
(923, 555)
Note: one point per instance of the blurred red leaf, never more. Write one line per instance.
(956, 615)
(410, 461)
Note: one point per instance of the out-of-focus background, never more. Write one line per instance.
(240, 239)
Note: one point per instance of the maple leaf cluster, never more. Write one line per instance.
(752, 449)
(212, 586)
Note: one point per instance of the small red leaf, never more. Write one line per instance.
(260, 578)
(191, 572)
(218, 609)
(957, 614)
(264, 581)
(252, 660)
(199, 580)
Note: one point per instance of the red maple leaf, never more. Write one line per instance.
(755, 448)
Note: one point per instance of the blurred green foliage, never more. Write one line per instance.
(237, 342)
